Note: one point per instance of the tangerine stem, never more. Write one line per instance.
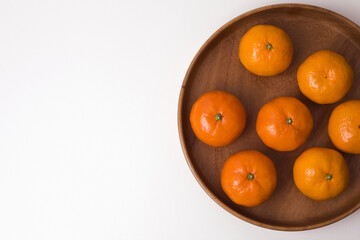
(269, 46)
(289, 120)
(250, 176)
(218, 117)
(328, 176)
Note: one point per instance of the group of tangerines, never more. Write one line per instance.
(249, 177)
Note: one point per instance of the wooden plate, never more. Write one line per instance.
(217, 67)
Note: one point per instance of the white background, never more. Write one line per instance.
(89, 145)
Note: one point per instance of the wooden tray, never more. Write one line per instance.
(217, 67)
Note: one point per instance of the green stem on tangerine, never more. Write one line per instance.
(250, 176)
(289, 120)
(328, 176)
(269, 46)
(218, 117)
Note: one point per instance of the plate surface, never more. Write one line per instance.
(217, 67)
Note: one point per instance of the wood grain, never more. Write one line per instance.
(217, 67)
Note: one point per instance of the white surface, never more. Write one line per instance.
(89, 147)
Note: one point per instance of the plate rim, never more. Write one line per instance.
(180, 117)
